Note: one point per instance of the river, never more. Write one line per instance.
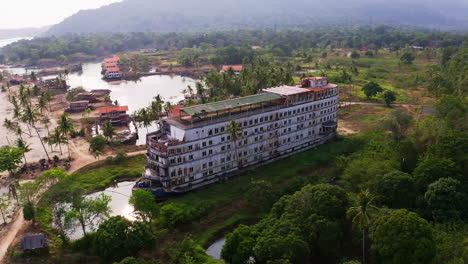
(135, 94)
(119, 203)
(214, 250)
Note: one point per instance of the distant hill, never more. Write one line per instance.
(203, 15)
(22, 32)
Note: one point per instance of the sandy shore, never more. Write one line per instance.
(8, 137)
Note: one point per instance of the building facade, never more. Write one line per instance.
(194, 149)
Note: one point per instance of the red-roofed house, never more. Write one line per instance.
(236, 68)
(117, 114)
(108, 65)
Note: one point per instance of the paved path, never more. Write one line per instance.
(19, 223)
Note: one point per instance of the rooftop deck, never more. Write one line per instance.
(230, 104)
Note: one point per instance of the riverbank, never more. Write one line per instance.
(85, 175)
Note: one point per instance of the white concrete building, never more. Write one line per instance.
(113, 73)
(194, 149)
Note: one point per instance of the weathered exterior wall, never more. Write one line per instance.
(208, 153)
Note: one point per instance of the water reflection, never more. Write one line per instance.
(136, 94)
(119, 205)
(214, 250)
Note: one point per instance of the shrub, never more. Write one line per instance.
(97, 143)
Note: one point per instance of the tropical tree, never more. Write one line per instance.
(108, 131)
(144, 118)
(97, 143)
(398, 122)
(389, 97)
(118, 238)
(10, 158)
(235, 131)
(31, 116)
(57, 138)
(4, 203)
(29, 211)
(97, 154)
(371, 89)
(24, 146)
(8, 124)
(145, 205)
(446, 199)
(46, 121)
(89, 211)
(402, 237)
(65, 126)
(200, 92)
(407, 58)
(361, 214)
(42, 103)
(168, 107)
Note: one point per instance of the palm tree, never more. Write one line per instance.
(362, 214)
(144, 118)
(65, 126)
(24, 146)
(234, 130)
(8, 124)
(168, 107)
(30, 116)
(46, 121)
(200, 91)
(57, 138)
(108, 131)
(42, 103)
(19, 132)
(155, 109)
(97, 154)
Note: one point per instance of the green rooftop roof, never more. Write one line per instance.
(228, 104)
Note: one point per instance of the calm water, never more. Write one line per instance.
(136, 94)
(119, 203)
(215, 249)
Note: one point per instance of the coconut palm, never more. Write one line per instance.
(8, 124)
(24, 146)
(97, 154)
(361, 214)
(19, 132)
(65, 126)
(200, 91)
(144, 118)
(168, 107)
(30, 116)
(108, 131)
(234, 130)
(42, 103)
(46, 121)
(155, 109)
(57, 138)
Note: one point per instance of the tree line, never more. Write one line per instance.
(71, 47)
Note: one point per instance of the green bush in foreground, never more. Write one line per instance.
(118, 238)
(402, 237)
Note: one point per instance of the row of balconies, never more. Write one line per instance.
(164, 151)
(264, 142)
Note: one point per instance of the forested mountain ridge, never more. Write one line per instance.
(205, 15)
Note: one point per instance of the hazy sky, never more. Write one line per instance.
(37, 13)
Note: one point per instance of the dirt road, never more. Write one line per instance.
(20, 224)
